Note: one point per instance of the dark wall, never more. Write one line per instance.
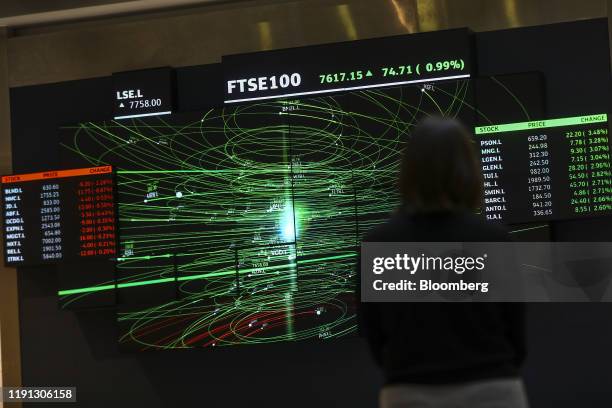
(569, 345)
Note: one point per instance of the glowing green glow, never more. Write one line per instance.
(85, 290)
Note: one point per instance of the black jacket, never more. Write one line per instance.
(433, 343)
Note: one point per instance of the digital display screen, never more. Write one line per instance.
(241, 225)
(98, 274)
(349, 66)
(56, 216)
(549, 169)
(143, 93)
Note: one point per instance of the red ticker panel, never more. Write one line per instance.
(56, 216)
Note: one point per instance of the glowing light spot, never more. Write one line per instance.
(179, 194)
(346, 17)
(287, 224)
(265, 35)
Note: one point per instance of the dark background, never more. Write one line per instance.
(570, 357)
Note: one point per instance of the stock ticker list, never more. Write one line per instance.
(55, 216)
(546, 170)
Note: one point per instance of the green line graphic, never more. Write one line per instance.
(241, 225)
(85, 290)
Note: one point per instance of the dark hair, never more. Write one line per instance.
(440, 170)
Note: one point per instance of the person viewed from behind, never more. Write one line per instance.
(439, 355)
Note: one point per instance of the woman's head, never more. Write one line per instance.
(440, 170)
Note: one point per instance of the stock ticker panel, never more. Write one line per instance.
(548, 169)
(241, 225)
(59, 216)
